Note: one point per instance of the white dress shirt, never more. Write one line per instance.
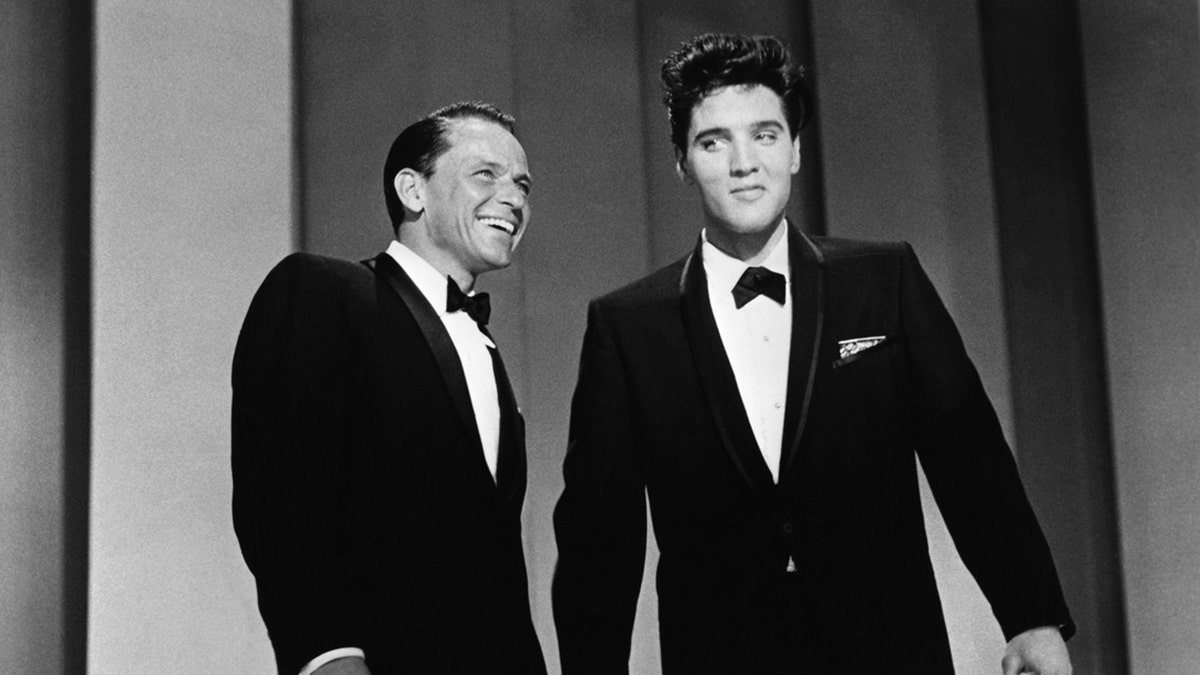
(472, 347)
(470, 343)
(757, 339)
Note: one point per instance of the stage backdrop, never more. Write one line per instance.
(228, 133)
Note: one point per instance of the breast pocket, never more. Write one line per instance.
(885, 347)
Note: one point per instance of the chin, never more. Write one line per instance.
(748, 227)
(494, 264)
(742, 222)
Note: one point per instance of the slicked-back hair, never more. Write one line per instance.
(711, 61)
(422, 142)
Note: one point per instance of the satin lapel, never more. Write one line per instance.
(716, 377)
(510, 463)
(808, 319)
(438, 339)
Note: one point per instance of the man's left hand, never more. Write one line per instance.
(1038, 650)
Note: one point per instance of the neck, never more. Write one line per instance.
(751, 248)
(438, 259)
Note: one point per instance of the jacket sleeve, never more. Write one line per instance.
(971, 470)
(600, 519)
(292, 502)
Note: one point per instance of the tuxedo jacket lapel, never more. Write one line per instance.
(716, 377)
(510, 464)
(808, 320)
(439, 342)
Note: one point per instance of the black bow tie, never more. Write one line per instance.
(757, 281)
(478, 306)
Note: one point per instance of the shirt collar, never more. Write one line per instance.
(428, 280)
(431, 283)
(724, 270)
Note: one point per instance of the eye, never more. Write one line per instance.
(767, 137)
(525, 188)
(487, 174)
(712, 144)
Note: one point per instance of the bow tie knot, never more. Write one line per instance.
(478, 306)
(757, 281)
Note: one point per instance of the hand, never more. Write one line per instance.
(351, 665)
(1038, 650)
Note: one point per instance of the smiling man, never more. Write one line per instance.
(770, 393)
(378, 452)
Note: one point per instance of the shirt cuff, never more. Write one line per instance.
(331, 655)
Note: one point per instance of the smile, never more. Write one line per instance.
(499, 224)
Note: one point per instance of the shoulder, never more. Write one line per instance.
(311, 265)
(855, 258)
(311, 274)
(647, 292)
(310, 282)
(838, 250)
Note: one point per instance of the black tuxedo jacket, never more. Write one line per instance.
(362, 501)
(657, 411)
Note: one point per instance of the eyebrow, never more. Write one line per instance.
(725, 131)
(517, 178)
(712, 131)
(767, 124)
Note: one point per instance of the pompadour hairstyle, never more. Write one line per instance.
(422, 142)
(710, 61)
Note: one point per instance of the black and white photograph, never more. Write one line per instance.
(568, 337)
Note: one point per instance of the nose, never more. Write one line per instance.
(743, 159)
(511, 195)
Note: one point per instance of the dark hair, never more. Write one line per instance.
(422, 142)
(710, 61)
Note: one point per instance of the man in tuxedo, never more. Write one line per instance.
(768, 392)
(378, 452)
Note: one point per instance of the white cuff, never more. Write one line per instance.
(331, 655)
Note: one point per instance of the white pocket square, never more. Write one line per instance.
(855, 345)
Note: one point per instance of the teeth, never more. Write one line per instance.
(499, 224)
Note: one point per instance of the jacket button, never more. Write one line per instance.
(788, 528)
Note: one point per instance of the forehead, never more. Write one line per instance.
(476, 140)
(735, 106)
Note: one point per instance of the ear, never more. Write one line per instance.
(795, 167)
(681, 167)
(410, 188)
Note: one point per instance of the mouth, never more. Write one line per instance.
(506, 226)
(748, 192)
